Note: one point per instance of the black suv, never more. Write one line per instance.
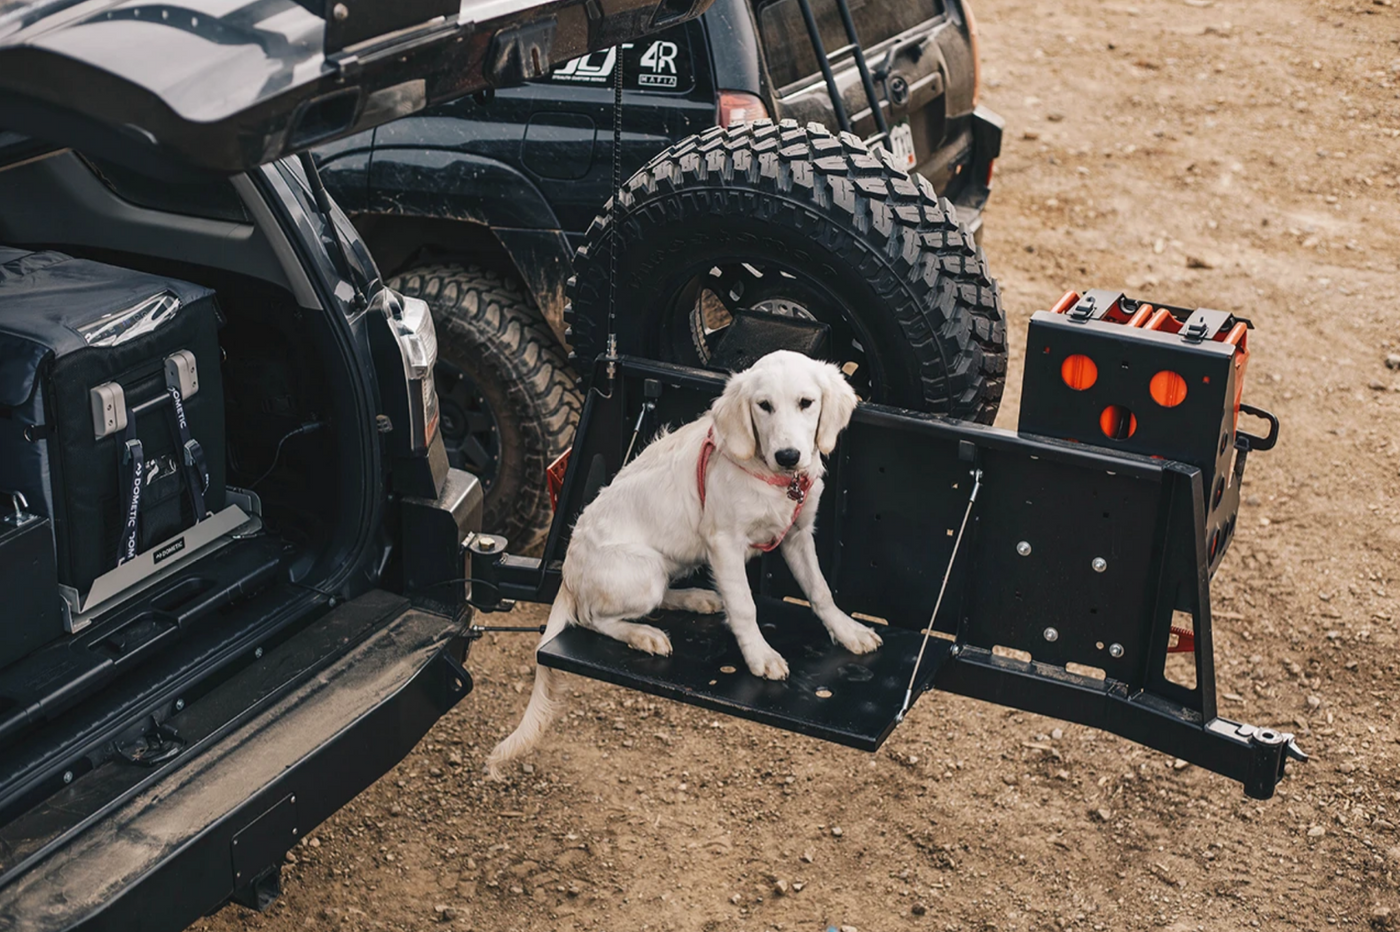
(232, 551)
(478, 206)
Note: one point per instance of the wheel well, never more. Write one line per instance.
(399, 242)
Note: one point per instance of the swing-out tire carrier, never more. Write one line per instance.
(1079, 556)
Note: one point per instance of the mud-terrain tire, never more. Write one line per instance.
(507, 396)
(871, 249)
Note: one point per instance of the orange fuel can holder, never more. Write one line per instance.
(1155, 379)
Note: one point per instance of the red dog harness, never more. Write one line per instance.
(797, 487)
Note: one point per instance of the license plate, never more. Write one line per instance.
(902, 145)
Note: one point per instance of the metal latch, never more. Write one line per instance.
(182, 373)
(108, 410)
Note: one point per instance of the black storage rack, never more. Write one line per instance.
(1080, 568)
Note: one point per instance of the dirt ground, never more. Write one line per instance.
(1241, 154)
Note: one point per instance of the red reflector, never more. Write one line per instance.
(554, 476)
(739, 107)
(1181, 641)
(987, 181)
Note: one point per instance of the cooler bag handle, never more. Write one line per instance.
(133, 472)
(196, 469)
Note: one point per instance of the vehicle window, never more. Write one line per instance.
(658, 63)
(212, 200)
(789, 50)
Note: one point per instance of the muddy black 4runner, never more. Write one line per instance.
(477, 206)
(231, 544)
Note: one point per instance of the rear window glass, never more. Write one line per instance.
(789, 50)
(658, 63)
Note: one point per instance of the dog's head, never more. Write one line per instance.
(784, 410)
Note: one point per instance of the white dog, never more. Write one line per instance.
(744, 478)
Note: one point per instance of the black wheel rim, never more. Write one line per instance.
(701, 305)
(469, 429)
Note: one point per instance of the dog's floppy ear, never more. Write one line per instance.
(733, 419)
(838, 404)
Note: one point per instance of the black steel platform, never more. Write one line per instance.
(830, 693)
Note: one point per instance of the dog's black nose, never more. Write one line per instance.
(787, 458)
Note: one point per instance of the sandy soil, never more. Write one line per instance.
(1236, 153)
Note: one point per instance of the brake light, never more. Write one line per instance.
(976, 51)
(417, 338)
(740, 107)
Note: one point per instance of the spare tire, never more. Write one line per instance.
(780, 218)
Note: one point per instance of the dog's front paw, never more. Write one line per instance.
(649, 639)
(767, 663)
(851, 634)
(855, 637)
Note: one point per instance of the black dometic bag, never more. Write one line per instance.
(111, 416)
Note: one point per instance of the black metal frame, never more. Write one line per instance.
(1075, 554)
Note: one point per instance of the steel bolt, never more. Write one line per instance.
(487, 544)
(257, 653)
(67, 776)
(341, 12)
(1052, 635)
(955, 650)
(1024, 548)
(1115, 651)
(179, 705)
(1100, 564)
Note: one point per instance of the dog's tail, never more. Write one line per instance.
(543, 702)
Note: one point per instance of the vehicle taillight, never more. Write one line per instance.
(417, 338)
(976, 51)
(987, 182)
(739, 107)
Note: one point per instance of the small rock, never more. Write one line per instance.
(1314, 702)
(1062, 775)
(736, 899)
(1103, 815)
(314, 842)
(1180, 764)
(1392, 361)
(836, 830)
(918, 909)
(444, 912)
(808, 855)
(527, 768)
(848, 929)
(290, 858)
(1199, 262)
(1010, 779)
(797, 886)
(1031, 135)
(1054, 117)
(1316, 831)
(1376, 385)
(1057, 734)
(781, 887)
(396, 809)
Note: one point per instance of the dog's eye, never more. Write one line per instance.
(766, 406)
(805, 403)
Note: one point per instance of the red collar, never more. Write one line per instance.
(797, 487)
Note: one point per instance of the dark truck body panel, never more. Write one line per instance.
(205, 87)
(531, 167)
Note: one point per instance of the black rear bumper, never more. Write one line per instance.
(220, 824)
